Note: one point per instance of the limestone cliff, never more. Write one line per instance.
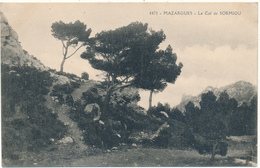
(12, 52)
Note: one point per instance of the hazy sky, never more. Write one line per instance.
(215, 50)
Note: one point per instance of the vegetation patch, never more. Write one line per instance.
(27, 125)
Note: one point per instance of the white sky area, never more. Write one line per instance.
(216, 50)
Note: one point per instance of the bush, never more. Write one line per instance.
(92, 96)
(62, 89)
(69, 100)
(163, 139)
(85, 76)
(206, 148)
(102, 136)
(75, 84)
(23, 91)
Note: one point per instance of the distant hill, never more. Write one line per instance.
(241, 91)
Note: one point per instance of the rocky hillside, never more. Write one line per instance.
(241, 91)
(13, 54)
(11, 51)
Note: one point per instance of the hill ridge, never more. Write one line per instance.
(242, 91)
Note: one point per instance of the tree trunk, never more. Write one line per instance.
(64, 58)
(150, 99)
(214, 145)
(62, 64)
(106, 108)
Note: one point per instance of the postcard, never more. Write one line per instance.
(113, 84)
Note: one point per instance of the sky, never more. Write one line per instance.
(215, 48)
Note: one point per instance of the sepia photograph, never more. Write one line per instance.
(141, 84)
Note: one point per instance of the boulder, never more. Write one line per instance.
(134, 145)
(60, 79)
(93, 110)
(114, 148)
(101, 122)
(66, 140)
(165, 114)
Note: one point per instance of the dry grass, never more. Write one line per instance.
(68, 155)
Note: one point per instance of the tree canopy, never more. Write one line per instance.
(161, 69)
(129, 56)
(70, 34)
(211, 123)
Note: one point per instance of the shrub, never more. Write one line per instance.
(92, 96)
(85, 76)
(69, 100)
(62, 89)
(5, 43)
(75, 84)
(163, 139)
(23, 91)
(102, 136)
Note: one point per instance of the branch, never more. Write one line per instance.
(108, 78)
(63, 43)
(120, 82)
(74, 52)
(63, 47)
(125, 79)
(122, 87)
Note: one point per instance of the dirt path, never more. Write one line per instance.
(74, 132)
(63, 114)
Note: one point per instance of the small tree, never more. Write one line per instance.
(211, 126)
(85, 75)
(70, 35)
(192, 114)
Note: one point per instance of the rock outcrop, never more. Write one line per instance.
(12, 52)
(241, 91)
(93, 110)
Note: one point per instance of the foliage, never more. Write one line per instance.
(126, 55)
(175, 136)
(75, 84)
(94, 132)
(125, 111)
(211, 123)
(160, 69)
(70, 34)
(192, 115)
(85, 75)
(178, 134)
(217, 119)
(238, 120)
(25, 83)
(69, 100)
(243, 121)
(173, 113)
(27, 123)
(124, 119)
(92, 96)
(62, 89)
